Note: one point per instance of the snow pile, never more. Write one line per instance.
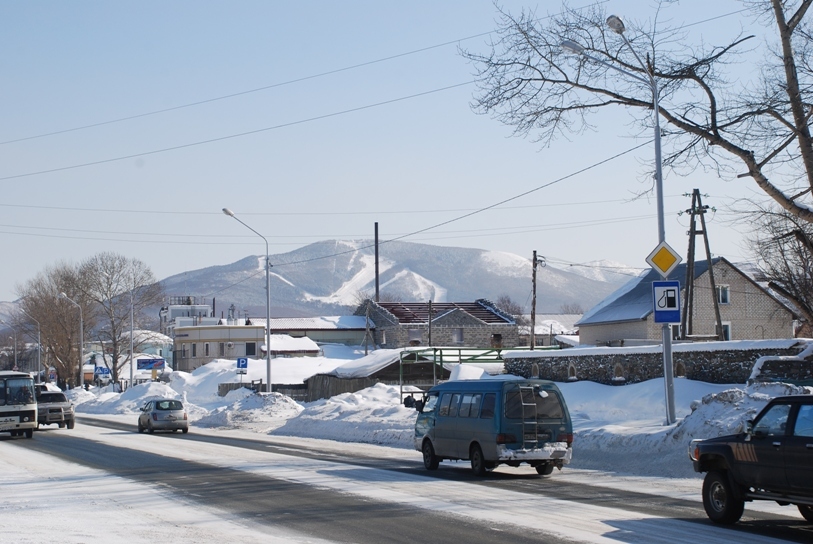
(247, 410)
(374, 415)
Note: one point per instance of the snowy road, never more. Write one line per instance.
(187, 489)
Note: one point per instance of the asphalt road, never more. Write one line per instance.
(343, 517)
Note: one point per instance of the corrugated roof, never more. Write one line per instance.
(418, 312)
(633, 301)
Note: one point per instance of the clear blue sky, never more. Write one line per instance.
(313, 169)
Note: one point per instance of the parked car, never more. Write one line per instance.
(772, 460)
(163, 415)
(54, 407)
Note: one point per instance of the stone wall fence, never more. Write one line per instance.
(712, 362)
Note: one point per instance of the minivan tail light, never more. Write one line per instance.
(506, 438)
(565, 438)
(154, 416)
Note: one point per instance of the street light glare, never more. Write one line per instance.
(616, 24)
(572, 47)
(228, 212)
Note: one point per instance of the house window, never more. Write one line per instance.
(222, 349)
(183, 351)
(496, 340)
(206, 349)
(723, 294)
(726, 331)
(415, 337)
(194, 350)
(675, 332)
(251, 348)
(383, 337)
(457, 336)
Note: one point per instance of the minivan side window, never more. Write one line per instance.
(470, 405)
(431, 403)
(454, 404)
(444, 404)
(489, 400)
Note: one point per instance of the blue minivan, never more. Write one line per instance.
(498, 420)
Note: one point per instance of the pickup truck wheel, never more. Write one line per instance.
(718, 499)
(430, 460)
(806, 511)
(61, 425)
(29, 433)
(478, 463)
(70, 423)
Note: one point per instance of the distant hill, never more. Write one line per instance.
(325, 278)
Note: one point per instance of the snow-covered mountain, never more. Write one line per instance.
(602, 270)
(326, 278)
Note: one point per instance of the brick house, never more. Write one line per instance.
(748, 311)
(465, 324)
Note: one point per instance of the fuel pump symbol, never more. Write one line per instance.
(668, 299)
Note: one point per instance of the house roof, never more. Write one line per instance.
(418, 312)
(633, 301)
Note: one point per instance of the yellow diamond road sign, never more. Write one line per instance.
(663, 259)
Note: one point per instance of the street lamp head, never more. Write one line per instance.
(572, 47)
(616, 24)
(228, 212)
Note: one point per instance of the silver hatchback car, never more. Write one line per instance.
(163, 415)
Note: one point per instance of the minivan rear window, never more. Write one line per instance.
(547, 406)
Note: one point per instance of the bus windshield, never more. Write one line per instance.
(14, 391)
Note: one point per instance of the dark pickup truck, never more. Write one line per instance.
(772, 460)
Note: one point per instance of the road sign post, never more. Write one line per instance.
(242, 367)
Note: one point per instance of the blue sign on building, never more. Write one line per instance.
(149, 364)
(666, 301)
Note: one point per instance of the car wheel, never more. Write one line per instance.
(70, 423)
(806, 511)
(430, 460)
(185, 430)
(718, 499)
(478, 462)
(545, 469)
(149, 428)
(140, 427)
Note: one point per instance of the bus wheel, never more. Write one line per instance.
(29, 433)
(478, 463)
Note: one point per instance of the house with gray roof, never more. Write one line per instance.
(748, 310)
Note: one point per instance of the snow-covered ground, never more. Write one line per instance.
(619, 430)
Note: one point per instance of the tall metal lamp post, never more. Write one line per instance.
(617, 26)
(267, 298)
(39, 345)
(81, 339)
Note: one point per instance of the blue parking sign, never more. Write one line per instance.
(242, 362)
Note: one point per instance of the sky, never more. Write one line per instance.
(310, 121)
(608, 421)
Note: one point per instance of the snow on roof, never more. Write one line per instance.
(730, 345)
(284, 342)
(367, 365)
(144, 336)
(318, 323)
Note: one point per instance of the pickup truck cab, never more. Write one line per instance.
(772, 460)
(54, 407)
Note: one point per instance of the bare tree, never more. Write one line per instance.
(121, 289)
(514, 309)
(713, 121)
(784, 245)
(571, 308)
(58, 318)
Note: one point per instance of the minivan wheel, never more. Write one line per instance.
(806, 511)
(478, 463)
(430, 460)
(718, 499)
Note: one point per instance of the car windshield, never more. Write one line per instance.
(168, 405)
(52, 397)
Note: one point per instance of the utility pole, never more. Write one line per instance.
(698, 209)
(536, 260)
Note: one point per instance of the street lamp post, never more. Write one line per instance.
(617, 26)
(267, 298)
(81, 339)
(39, 344)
